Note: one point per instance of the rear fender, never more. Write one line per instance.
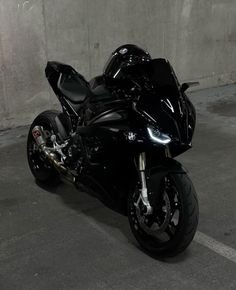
(155, 177)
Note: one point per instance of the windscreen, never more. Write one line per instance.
(158, 73)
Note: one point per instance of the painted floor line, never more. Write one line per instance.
(218, 247)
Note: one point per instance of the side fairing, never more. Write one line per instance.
(162, 99)
(173, 115)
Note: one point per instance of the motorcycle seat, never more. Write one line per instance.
(73, 86)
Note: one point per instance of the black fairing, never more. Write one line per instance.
(169, 109)
(124, 56)
(145, 94)
(155, 91)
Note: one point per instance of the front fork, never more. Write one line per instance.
(143, 196)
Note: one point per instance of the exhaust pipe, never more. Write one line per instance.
(38, 135)
(40, 140)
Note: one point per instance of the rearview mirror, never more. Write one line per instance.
(185, 86)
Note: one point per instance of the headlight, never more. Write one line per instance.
(157, 136)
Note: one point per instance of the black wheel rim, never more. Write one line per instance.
(161, 226)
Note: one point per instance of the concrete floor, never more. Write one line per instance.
(65, 239)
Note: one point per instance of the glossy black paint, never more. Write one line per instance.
(156, 175)
(124, 56)
(108, 109)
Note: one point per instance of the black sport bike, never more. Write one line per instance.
(117, 135)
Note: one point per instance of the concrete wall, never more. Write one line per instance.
(197, 36)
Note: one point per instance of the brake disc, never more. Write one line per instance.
(158, 226)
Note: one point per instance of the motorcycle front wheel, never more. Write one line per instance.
(171, 227)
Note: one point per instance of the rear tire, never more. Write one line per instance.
(180, 235)
(41, 168)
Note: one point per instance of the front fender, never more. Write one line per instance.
(156, 174)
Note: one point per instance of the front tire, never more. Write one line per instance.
(172, 226)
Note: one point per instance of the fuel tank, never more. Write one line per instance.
(106, 104)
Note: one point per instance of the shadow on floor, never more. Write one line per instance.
(84, 203)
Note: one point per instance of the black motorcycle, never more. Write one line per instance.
(117, 136)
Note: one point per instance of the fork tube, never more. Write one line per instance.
(144, 191)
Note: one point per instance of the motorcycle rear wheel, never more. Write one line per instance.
(172, 226)
(41, 168)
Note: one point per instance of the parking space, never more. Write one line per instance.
(60, 238)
